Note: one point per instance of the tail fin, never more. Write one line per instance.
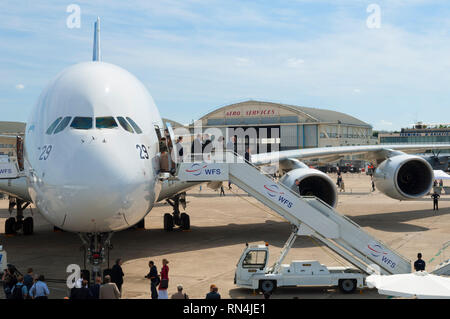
(96, 52)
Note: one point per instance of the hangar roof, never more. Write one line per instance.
(313, 114)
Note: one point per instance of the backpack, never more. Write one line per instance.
(17, 292)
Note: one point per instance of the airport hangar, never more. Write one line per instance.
(298, 126)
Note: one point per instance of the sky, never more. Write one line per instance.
(384, 62)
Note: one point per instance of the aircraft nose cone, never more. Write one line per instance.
(100, 192)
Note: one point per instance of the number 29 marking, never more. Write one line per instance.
(45, 152)
(143, 154)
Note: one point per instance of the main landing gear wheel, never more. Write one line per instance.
(15, 224)
(28, 226)
(10, 226)
(347, 286)
(177, 218)
(168, 222)
(185, 221)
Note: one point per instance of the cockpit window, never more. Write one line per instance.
(137, 129)
(53, 125)
(105, 122)
(81, 123)
(125, 124)
(63, 124)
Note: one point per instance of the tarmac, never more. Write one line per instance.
(220, 227)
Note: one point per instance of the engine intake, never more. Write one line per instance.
(404, 177)
(312, 183)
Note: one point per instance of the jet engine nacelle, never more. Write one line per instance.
(404, 177)
(312, 183)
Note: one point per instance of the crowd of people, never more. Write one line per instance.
(28, 286)
(202, 144)
(159, 284)
(33, 286)
(111, 288)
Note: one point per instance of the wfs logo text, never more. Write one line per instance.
(274, 192)
(198, 169)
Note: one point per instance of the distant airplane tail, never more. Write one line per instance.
(96, 52)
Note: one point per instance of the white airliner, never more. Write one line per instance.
(91, 161)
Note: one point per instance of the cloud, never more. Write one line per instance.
(294, 62)
(20, 86)
(386, 123)
(243, 62)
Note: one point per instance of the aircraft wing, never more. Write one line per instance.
(369, 152)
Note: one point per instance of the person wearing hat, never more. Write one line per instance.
(213, 293)
(164, 284)
(179, 294)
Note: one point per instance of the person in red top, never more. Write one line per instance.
(162, 289)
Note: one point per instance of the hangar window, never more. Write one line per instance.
(288, 119)
(137, 129)
(105, 122)
(51, 128)
(216, 121)
(63, 124)
(270, 120)
(81, 123)
(233, 121)
(125, 124)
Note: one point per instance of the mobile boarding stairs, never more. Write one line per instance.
(309, 215)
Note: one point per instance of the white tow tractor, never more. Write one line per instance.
(252, 271)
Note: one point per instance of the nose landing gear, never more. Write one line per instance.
(96, 247)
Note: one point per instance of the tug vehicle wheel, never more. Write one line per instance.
(267, 286)
(347, 286)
